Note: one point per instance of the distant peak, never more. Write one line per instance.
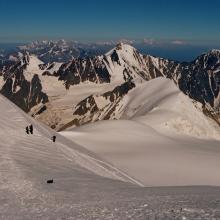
(124, 46)
(214, 51)
(25, 58)
(30, 59)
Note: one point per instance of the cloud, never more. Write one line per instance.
(163, 42)
(178, 42)
(127, 41)
(105, 43)
(149, 41)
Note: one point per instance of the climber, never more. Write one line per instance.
(31, 129)
(54, 138)
(49, 181)
(27, 130)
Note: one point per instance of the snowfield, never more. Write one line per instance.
(85, 185)
(164, 140)
(161, 105)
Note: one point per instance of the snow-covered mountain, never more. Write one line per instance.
(89, 89)
(21, 83)
(124, 64)
(64, 51)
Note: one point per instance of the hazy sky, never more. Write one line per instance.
(196, 21)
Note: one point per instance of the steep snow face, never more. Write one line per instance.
(163, 139)
(159, 104)
(124, 53)
(124, 63)
(31, 66)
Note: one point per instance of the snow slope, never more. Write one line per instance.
(28, 161)
(32, 67)
(163, 140)
(161, 105)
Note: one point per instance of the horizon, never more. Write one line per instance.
(168, 50)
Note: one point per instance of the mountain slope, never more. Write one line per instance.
(28, 161)
(100, 107)
(159, 104)
(162, 140)
(23, 151)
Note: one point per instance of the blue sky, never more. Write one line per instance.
(191, 21)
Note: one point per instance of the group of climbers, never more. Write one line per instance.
(29, 130)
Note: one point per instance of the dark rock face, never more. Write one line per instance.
(195, 83)
(200, 78)
(89, 104)
(41, 110)
(81, 70)
(36, 94)
(119, 91)
(115, 58)
(29, 95)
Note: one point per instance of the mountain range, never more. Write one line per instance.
(64, 91)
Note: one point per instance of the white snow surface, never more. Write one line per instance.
(32, 67)
(126, 60)
(25, 159)
(162, 140)
(161, 105)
